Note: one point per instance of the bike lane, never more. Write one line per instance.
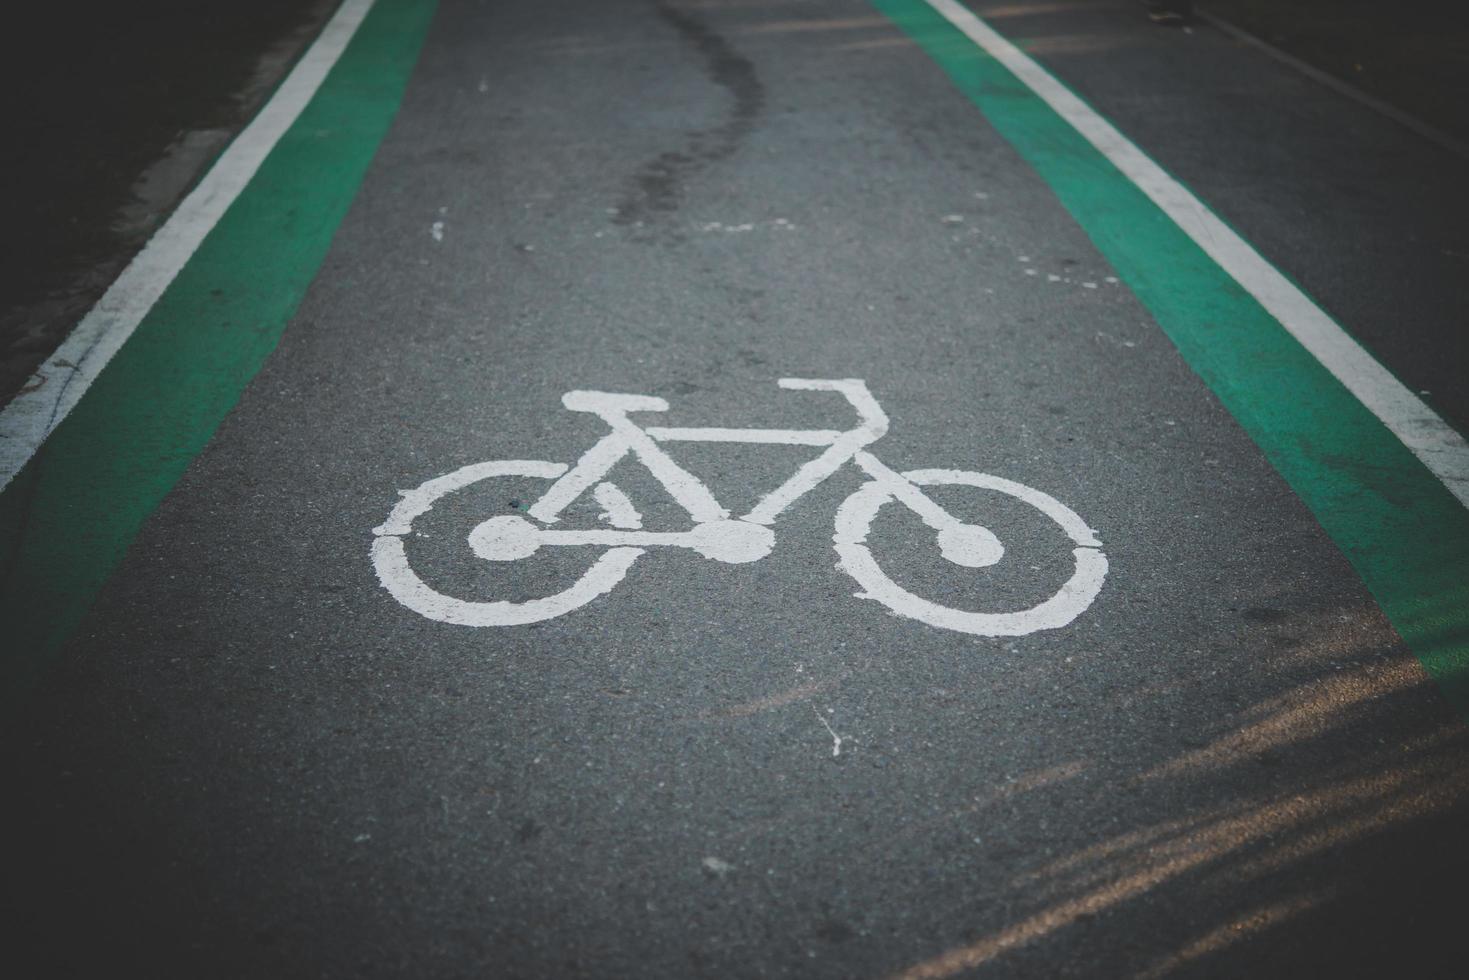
(727, 768)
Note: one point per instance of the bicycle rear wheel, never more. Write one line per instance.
(390, 557)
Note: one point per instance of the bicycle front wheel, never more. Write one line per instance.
(854, 521)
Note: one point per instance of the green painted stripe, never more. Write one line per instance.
(1405, 534)
(67, 518)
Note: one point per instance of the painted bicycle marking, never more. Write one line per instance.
(717, 536)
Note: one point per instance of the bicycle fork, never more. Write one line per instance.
(969, 545)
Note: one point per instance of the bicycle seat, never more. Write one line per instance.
(602, 402)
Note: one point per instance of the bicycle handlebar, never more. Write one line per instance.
(874, 419)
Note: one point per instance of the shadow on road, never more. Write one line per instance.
(1364, 858)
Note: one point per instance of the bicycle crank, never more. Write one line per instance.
(511, 538)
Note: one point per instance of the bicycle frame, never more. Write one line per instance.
(509, 538)
(628, 437)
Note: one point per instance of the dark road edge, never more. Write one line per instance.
(68, 517)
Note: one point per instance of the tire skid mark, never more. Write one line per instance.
(657, 189)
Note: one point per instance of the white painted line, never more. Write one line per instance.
(626, 436)
(510, 537)
(1427, 436)
(589, 470)
(854, 521)
(788, 437)
(872, 427)
(420, 499)
(390, 556)
(617, 510)
(67, 374)
(391, 562)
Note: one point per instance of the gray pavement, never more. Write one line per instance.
(252, 761)
(1371, 219)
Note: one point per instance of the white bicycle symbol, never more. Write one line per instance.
(714, 534)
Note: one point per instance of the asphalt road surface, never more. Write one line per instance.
(272, 717)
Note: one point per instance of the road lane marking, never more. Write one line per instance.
(69, 515)
(1391, 501)
(788, 437)
(510, 537)
(617, 510)
(1429, 437)
(66, 375)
